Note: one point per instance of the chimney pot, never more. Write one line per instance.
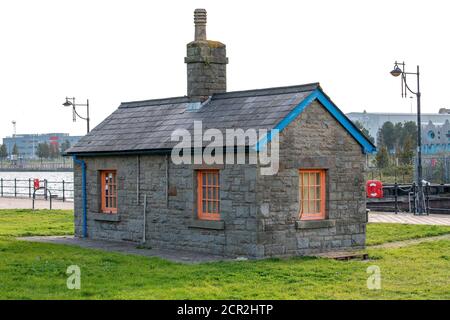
(200, 24)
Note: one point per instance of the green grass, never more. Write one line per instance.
(38, 271)
(378, 233)
(21, 223)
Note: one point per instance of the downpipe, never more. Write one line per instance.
(82, 163)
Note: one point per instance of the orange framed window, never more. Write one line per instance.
(208, 188)
(312, 194)
(109, 191)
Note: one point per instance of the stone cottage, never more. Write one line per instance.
(129, 188)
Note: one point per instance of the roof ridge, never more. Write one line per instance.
(225, 95)
(267, 91)
(154, 102)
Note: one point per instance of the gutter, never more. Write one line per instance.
(82, 163)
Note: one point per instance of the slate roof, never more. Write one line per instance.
(147, 125)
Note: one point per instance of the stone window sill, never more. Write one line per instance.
(106, 217)
(208, 224)
(314, 224)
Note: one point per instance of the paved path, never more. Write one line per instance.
(404, 243)
(408, 218)
(26, 203)
(129, 248)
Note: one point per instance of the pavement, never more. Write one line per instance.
(130, 248)
(27, 203)
(408, 218)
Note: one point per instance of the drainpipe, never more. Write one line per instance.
(82, 163)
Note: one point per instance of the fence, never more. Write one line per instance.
(403, 198)
(436, 169)
(62, 190)
(35, 165)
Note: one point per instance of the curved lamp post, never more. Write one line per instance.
(70, 102)
(397, 71)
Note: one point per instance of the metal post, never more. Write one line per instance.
(63, 191)
(427, 198)
(45, 188)
(414, 198)
(87, 118)
(15, 187)
(1, 186)
(420, 209)
(396, 197)
(29, 188)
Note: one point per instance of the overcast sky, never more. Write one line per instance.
(112, 51)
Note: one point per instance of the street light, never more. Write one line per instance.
(397, 71)
(70, 102)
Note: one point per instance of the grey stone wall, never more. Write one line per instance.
(314, 140)
(171, 209)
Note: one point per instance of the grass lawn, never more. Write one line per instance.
(378, 233)
(38, 271)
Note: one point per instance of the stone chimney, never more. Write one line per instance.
(206, 62)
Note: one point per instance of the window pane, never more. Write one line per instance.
(209, 206)
(305, 194)
(318, 193)
(312, 193)
(203, 178)
(210, 179)
(210, 193)
(318, 179)
(204, 206)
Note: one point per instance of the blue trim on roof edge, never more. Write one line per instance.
(367, 146)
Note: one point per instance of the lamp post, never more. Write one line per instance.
(70, 102)
(397, 71)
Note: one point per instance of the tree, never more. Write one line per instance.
(406, 153)
(15, 150)
(382, 158)
(366, 132)
(387, 135)
(54, 150)
(65, 145)
(409, 133)
(3, 152)
(43, 151)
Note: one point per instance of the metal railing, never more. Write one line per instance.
(403, 198)
(62, 190)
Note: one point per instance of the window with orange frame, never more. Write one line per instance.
(109, 191)
(312, 194)
(208, 201)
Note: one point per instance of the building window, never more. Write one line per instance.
(312, 194)
(208, 202)
(109, 191)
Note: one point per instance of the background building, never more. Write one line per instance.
(435, 126)
(27, 143)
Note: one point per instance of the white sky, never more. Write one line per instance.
(113, 51)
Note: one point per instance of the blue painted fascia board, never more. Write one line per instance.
(318, 95)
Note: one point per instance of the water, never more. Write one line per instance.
(54, 183)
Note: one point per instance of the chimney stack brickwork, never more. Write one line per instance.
(206, 63)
